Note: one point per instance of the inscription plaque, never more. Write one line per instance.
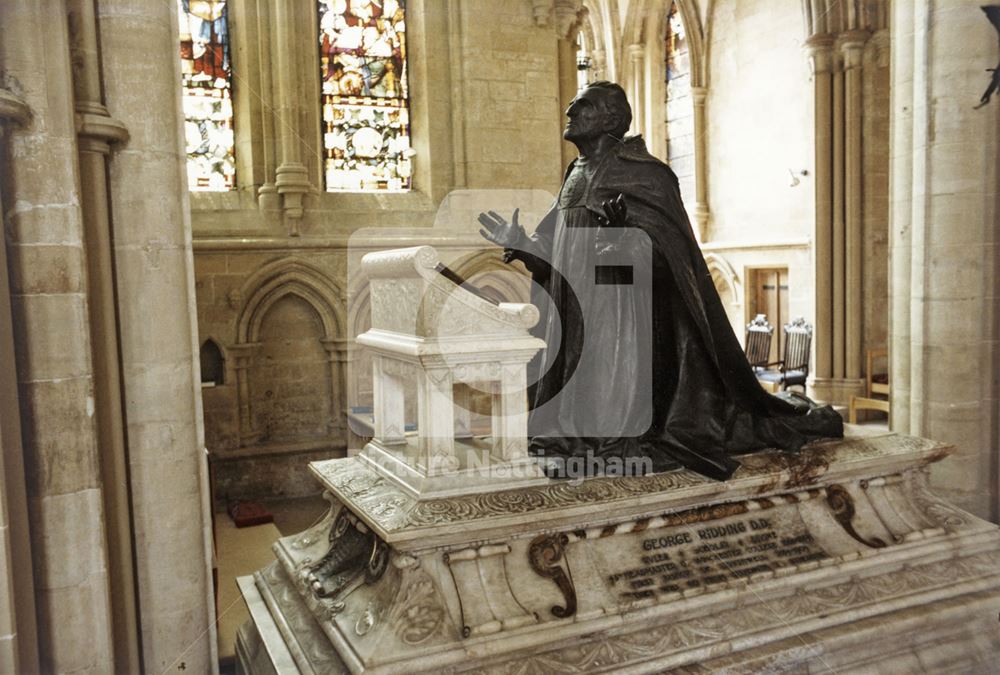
(676, 559)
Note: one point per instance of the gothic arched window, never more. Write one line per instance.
(679, 104)
(366, 126)
(213, 364)
(206, 77)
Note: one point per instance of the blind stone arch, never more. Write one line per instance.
(290, 275)
(270, 284)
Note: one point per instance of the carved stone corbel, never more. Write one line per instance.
(13, 110)
(564, 16)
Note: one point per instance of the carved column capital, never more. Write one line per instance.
(698, 95)
(852, 46)
(243, 354)
(541, 10)
(568, 14)
(636, 52)
(820, 51)
(336, 349)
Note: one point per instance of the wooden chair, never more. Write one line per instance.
(793, 369)
(758, 342)
(876, 384)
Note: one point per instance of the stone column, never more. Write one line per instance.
(242, 355)
(701, 210)
(97, 131)
(852, 45)
(44, 232)
(820, 49)
(18, 629)
(637, 75)
(336, 354)
(901, 172)
(837, 210)
(599, 64)
(945, 224)
(159, 349)
(292, 177)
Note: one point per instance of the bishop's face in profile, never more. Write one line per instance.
(589, 118)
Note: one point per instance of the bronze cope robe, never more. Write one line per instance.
(680, 373)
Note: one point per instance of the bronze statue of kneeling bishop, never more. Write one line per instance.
(640, 361)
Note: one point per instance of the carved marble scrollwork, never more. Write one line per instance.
(842, 505)
(545, 554)
(354, 551)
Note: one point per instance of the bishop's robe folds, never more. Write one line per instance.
(640, 359)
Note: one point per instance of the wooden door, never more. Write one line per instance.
(770, 297)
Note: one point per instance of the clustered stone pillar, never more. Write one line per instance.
(44, 232)
(18, 631)
(821, 58)
(156, 309)
(945, 348)
(837, 85)
(97, 131)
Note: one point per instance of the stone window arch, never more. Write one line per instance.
(213, 363)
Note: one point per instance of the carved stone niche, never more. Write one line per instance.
(436, 340)
(837, 559)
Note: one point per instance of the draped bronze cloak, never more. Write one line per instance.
(706, 403)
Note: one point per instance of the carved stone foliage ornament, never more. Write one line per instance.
(417, 612)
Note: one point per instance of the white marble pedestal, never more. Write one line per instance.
(837, 559)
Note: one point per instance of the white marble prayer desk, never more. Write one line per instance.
(437, 339)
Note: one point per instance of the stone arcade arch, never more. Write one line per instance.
(643, 76)
(730, 289)
(270, 285)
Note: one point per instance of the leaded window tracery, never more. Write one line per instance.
(206, 76)
(365, 113)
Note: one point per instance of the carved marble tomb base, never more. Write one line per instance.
(836, 559)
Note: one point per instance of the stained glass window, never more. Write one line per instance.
(206, 77)
(366, 121)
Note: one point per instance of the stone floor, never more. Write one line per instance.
(241, 551)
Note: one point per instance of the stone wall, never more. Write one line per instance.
(944, 212)
(760, 121)
(487, 114)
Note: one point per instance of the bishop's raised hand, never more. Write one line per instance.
(497, 230)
